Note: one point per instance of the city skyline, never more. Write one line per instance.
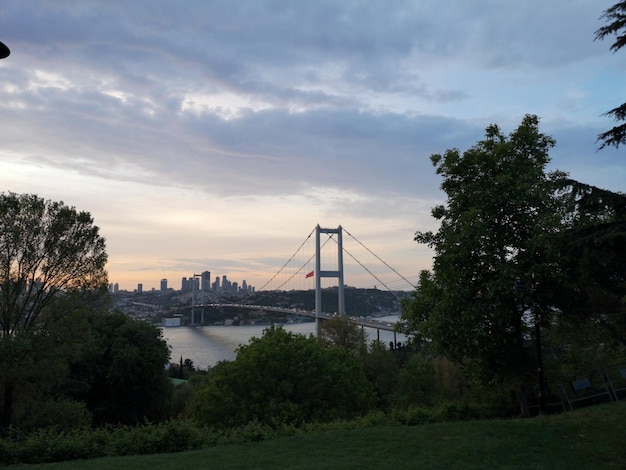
(221, 133)
(202, 282)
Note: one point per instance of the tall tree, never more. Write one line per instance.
(592, 250)
(48, 252)
(46, 249)
(500, 203)
(615, 16)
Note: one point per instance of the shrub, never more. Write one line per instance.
(283, 379)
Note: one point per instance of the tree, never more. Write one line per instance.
(592, 250)
(342, 332)
(46, 249)
(616, 18)
(49, 252)
(283, 378)
(120, 374)
(501, 205)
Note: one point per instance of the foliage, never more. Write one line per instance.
(591, 438)
(381, 369)
(283, 378)
(341, 332)
(51, 258)
(46, 249)
(417, 383)
(121, 374)
(616, 19)
(50, 445)
(592, 250)
(500, 205)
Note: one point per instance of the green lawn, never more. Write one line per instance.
(585, 439)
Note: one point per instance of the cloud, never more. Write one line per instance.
(225, 124)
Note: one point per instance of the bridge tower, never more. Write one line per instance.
(319, 274)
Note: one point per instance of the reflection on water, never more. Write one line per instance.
(208, 345)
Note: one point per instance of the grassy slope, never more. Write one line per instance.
(585, 439)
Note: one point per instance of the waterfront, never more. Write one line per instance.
(208, 345)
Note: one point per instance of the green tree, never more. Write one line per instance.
(283, 378)
(417, 383)
(48, 251)
(616, 19)
(501, 205)
(381, 369)
(342, 332)
(592, 253)
(120, 374)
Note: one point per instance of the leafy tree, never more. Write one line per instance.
(592, 250)
(381, 369)
(501, 205)
(120, 374)
(46, 249)
(342, 332)
(283, 378)
(616, 18)
(417, 383)
(48, 252)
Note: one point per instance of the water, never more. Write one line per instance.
(208, 345)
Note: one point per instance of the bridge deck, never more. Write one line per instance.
(364, 322)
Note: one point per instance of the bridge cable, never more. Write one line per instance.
(370, 272)
(304, 265)
(377, 257)
(288, 261)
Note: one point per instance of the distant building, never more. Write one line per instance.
(170, 322)
(139, 288)
(206, 281)
(116, 288)
(163, 285)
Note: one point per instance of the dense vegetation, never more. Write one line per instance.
(526, 263)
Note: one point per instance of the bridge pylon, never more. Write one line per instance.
(319, 273)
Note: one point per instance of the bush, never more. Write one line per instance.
(283, 379)
(62, 415)
(443, 412)
(52, 446)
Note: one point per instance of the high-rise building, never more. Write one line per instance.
(244, 287)
(139, 288)
(185, 285)
(163, 285)
(206, 281)
(116, 288)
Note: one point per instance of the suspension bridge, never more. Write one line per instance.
(316, 264)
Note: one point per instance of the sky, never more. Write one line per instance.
(215, 135)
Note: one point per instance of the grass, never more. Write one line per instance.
(589, 438)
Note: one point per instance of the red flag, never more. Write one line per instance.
(309, 275)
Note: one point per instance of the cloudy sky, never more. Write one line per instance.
(217, 134)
